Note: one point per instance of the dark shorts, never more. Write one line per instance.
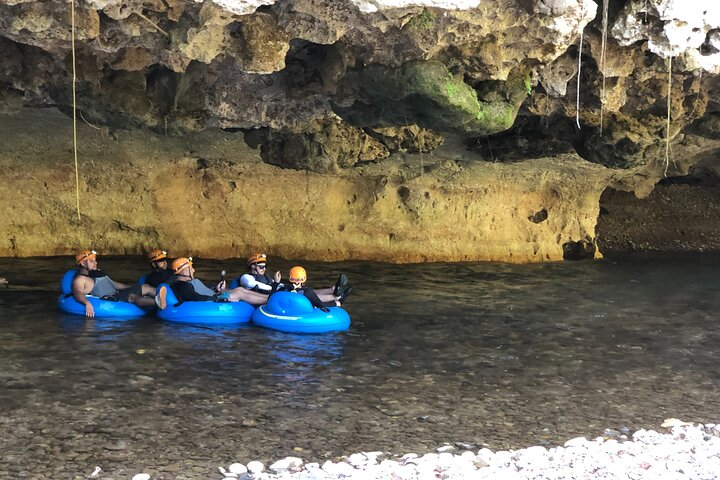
(124, 294)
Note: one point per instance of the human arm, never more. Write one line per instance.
(277, 287)
(249, 282)
(79, 287)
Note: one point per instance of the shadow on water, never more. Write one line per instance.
(480, 353)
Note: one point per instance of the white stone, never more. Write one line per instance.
(408, 456)
(141, 476)
(577, 442)
(485, 456)
(255, 467)
(501, 458)
(286, 463)
(338, 469)
(468, 455)
(357, 459)
(401, 472)
(237, 468)
(314, 474)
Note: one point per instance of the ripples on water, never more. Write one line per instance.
(483, 354)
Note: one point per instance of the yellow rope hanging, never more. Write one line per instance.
(577, 99)
(602, 61)
(155, 25)
(667, 131)
(74, 77)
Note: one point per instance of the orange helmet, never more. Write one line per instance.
(256, 258)
(157, 255)
(84, 255)
(180, 263)
(298, 274)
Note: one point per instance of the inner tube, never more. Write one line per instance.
(203, 313)
(103, 308)
(293, 313)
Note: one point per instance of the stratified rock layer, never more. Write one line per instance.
(210, 195)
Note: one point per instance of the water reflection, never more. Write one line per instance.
(99, 328)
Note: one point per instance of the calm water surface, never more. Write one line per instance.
(474, 354)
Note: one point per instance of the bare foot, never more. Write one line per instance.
(3, 281)
(160, 298)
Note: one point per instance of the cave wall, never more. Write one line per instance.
(210, 195)
(399, 131)
(679, 215)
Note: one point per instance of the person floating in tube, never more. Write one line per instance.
(258, 280)
(89, 280)
(161, 272)
(297, 278)
(188, 288)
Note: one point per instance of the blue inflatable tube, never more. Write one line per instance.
(293, 313)
(103, 308)
(203, 313)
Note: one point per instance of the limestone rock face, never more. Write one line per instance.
(337, 86)
(209, 194)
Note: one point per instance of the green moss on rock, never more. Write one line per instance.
(424, 21)
(428, 94)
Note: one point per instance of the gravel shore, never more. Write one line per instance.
(688, 451)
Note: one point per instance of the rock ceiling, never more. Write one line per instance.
(325, 84)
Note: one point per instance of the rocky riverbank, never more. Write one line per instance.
(687, 451)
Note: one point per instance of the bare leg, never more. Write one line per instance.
(148, 290)
(253, 298)
(141, 301)
(326, 296)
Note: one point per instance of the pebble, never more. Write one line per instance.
(287, 463)
(255, 467)
(689, 451)
(237, 468)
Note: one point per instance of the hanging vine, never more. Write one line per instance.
(577, 100)
(667, 130)
(603, 46)
(74, 81)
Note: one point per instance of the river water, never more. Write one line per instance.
(470, 354)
